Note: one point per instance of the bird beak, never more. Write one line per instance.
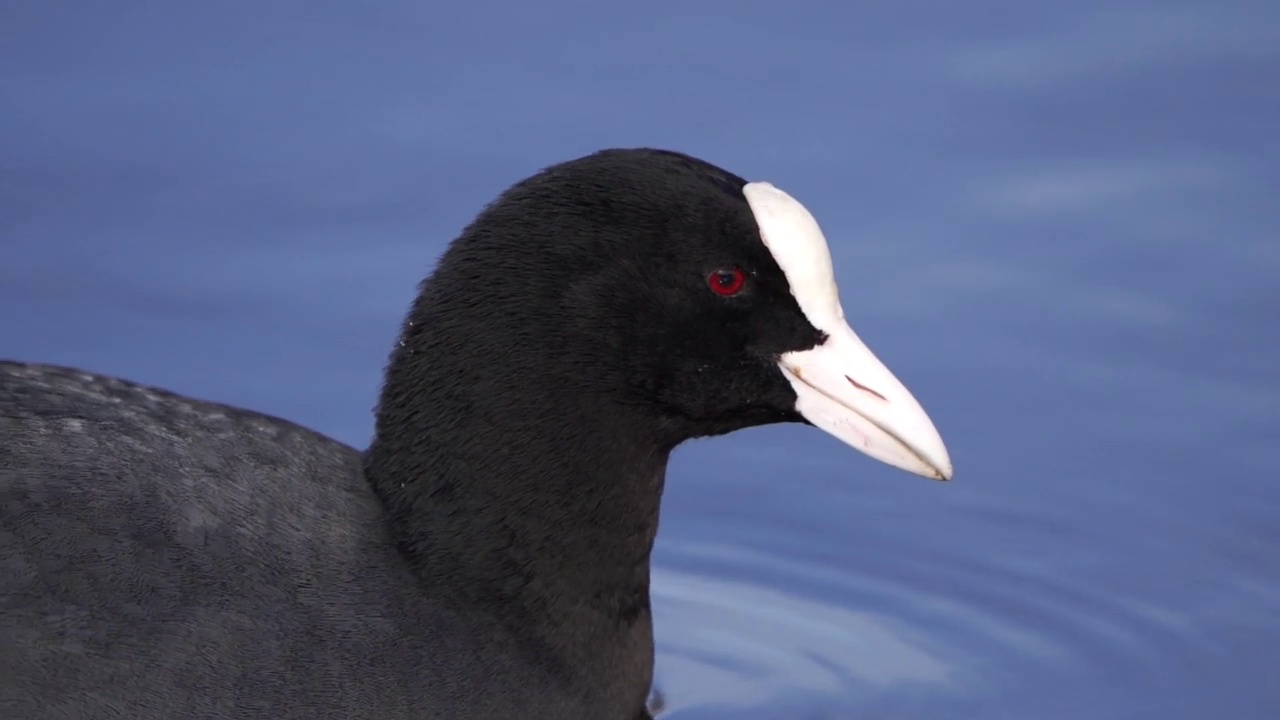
(843, 388)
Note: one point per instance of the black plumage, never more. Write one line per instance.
(486, 557)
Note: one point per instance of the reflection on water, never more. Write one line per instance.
(731, 640)
(754, 624)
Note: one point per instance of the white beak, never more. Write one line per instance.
(842, 388)
(840, 385)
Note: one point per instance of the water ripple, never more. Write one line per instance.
(775, 635)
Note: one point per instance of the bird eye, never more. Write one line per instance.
(726, 282)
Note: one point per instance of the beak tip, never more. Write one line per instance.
(942, 468)
(942, 472)
(931, 458)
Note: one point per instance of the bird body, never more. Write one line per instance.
(487, 556)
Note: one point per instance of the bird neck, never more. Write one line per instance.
(537, 504)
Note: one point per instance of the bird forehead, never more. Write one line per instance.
(794, 239)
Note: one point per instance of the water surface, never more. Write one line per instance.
(1057, 224)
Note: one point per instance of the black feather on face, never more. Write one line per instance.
(601, 273)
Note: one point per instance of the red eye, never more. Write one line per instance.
(727, 282)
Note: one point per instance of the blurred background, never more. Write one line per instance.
(1057, 222)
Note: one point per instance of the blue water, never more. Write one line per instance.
(1057, 223)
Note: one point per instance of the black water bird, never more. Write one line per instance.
(487, 556)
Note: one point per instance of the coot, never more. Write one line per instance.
(487, 556)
